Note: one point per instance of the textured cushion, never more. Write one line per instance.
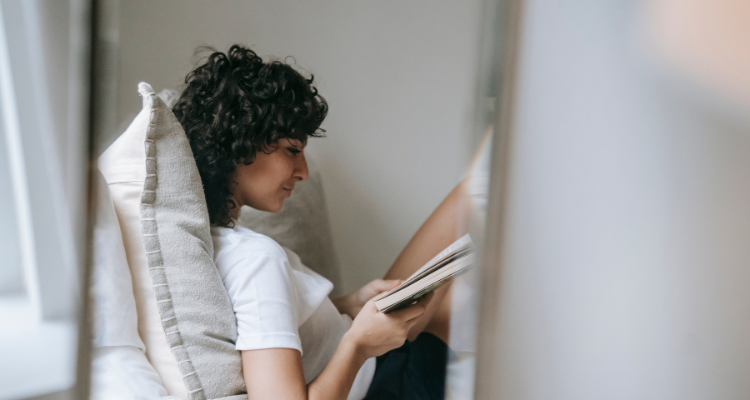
(302, 226)
(185, 317)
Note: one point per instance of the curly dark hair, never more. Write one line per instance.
(235, 105)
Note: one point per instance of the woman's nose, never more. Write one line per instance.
(300, 169)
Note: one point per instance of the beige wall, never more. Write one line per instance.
(399, 77)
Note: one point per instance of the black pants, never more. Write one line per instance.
(414, 371)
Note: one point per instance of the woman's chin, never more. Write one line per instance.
(269, 207)
(276, 207)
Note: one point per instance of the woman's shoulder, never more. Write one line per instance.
(243, 241)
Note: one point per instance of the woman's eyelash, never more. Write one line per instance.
(294, 151)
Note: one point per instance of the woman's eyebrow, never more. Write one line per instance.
(297, 144)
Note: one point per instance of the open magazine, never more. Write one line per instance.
(452, 261)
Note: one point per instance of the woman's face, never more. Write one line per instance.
(269, 180)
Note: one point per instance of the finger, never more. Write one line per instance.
(412, 322)
(408, 313)
(370, 306)
(420, 303)
(380, 285)
(418, 312)
(426, 299)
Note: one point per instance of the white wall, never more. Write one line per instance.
(399, 78)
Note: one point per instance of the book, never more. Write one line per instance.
(452, 261)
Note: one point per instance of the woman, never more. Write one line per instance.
(248, 123)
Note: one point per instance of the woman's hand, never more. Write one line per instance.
(353, 302)
(374, 333)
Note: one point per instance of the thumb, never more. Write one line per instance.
(393, 283)
(380, 285)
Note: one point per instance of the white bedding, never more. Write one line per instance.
(120, 369)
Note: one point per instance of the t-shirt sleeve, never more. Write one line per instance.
(262, 289)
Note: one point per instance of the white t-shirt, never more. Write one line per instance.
(280, 303)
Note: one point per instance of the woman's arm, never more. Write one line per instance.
(277, 373)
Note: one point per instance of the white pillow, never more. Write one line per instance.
(120, 369)
(124, 167)
(185, 318)
(115, 317)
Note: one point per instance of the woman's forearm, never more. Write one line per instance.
(337, 378)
